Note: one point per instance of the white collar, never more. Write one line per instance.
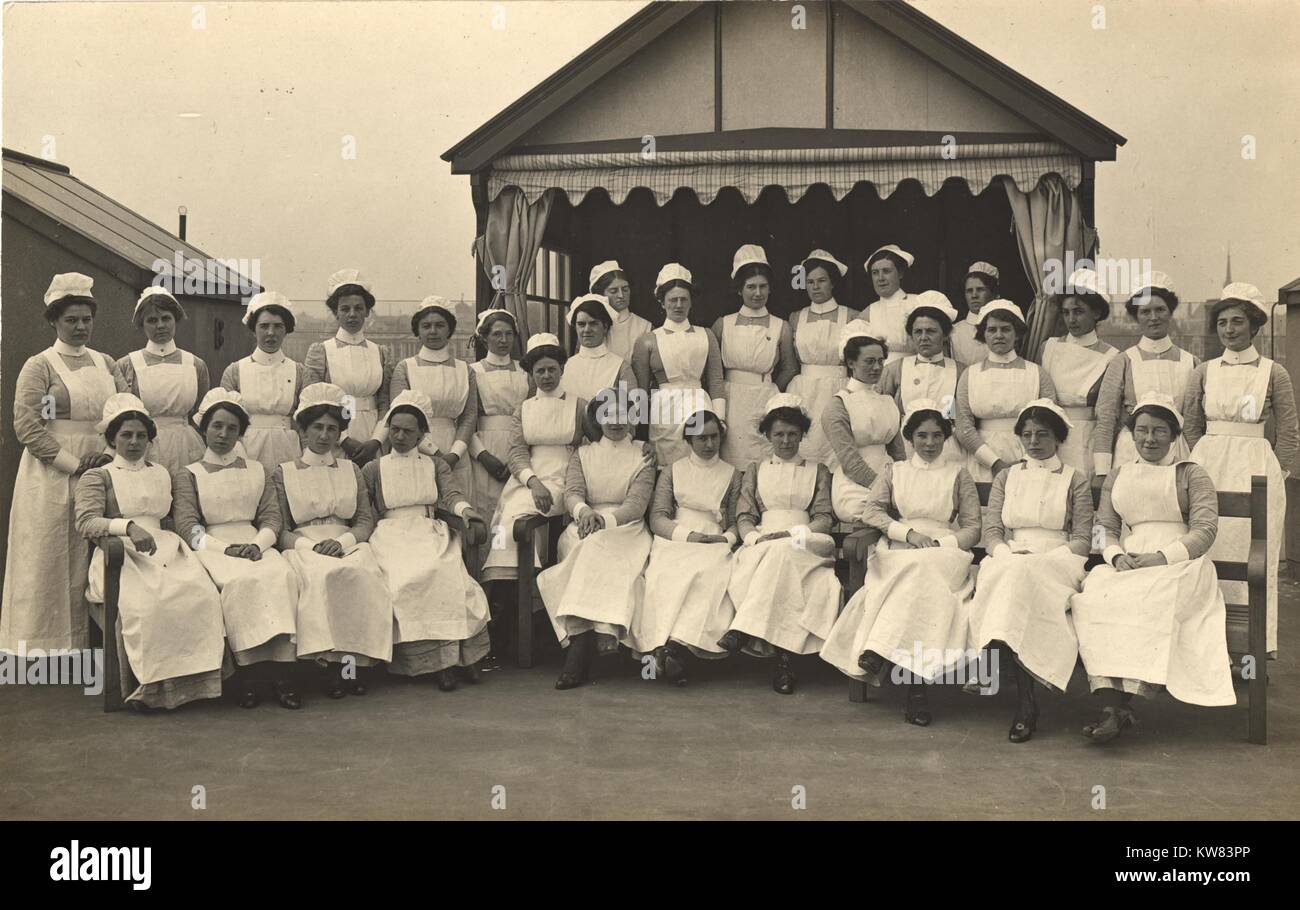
(411, 453)
(972, 319)
(699, 462)
(599, 350)
(1085, 341)
(854, 385)
(431, 356)
(267, 360)
(752, 314)
(622, 315)
(897, 297)
(348, 338)
(614, 444)
(498, 360)
(161, 350)
(229, 458)
(776, 459)
(1051, 464)
(937, 358)
(62, 347)
(1249, 355)
(123, 465)
(1009, 357)
(558, 393)
(1155, 347)
(683, 326)
(312, 460)
(821, 308)
(921, 464)
(1171, 457)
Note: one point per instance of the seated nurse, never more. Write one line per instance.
(345, 618)
(169, 612)
(1153, 616)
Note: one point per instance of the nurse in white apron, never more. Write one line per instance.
(169, 611)
(1154, 364)
(686, 608)
(546, 428)
(1076, 364)
(679, 364)
(502, 386)
(1153, 617)
(598, 585)
(58, 400)
(980, 287)
(991, 393)
(610, 281)
(913, 610)
(861, 423)
(757, 355)
(783, 579)
(1037, 536)
(888, 314)
(592, 366)
(269, 382)
(358, 366)
(440, 614)
(817, 329)
(1228, 403)
(927, 375)
(169, 381)
(224, 508)
(449, 384)
(345, 616)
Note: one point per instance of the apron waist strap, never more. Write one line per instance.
(1233, 428)
(411, 511)
(782, 520)
(495, 422)
(327, 520)
(70, 427)
(268, 422)
(746, 377)
(997, 424)
(1080, 413)
(363, 403)
(1038, 535)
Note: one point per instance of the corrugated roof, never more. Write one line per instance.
(52, 190)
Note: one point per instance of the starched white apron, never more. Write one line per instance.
(268, 395)
(749, 354)
(169, 391)
(359, 371)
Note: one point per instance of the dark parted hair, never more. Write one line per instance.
(1257, 319)
(1017, 321)
(1095, 302)
(921, 416)
(1155, 410)
(442, 311)
(938, 315)
(593, 309)
(1049, 419)
(481, 332)
(313, 413)
(696, 423)
(604, 281)
(349, 290)
(662, 292)
(789, 415)
(748, 271)
(1169, 297)
(855, 345)
(987, 280)
(831, 269)
(899, 262)
(115, 425)
(57, 308)
(420, 420)
(279, 311)
(163, 303)
(231, 408)
(541, 352)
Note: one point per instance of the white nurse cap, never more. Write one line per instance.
(147, 295)
(412, 399)
(540, 339)
(348, 276)
(935, 300)
(216, 396)
(826, 257)
(319, 393)
(784, 400)
(120, 403)
(259, 302)
(69, 284)
(593, 298)
(749, 254)
(1000, 306)
(1049, 405)
(1246, 293)
(602, 269)
(890, 248)
(673, 271)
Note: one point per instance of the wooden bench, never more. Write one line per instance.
(1247, 624)
(472, 535)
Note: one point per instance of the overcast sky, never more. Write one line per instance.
(277, 86)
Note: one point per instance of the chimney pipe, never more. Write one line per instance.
(182, 211)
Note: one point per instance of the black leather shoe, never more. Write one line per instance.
(249, 699)
(871, 663)
(674, 666)
(1112, 723)
(918, 708)
(783, 679)
(569, 680)
(1024, 725)
(286, 695)
(732, 642)
(357, 687)
(446, 680)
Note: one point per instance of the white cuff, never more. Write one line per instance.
(461, 508)
(66, 462)
(526, 475)
(1109, 554)
(1101, 463)
(681, 533)
(459, 448)
(1002, 548)
(117, 526)
(304, 544)
(986, 455)
(210, 542)
(610, 516)
(1175, 552)
(897, 531)
(947, 540)
(348, 541)
(475, 447)
(720, 407)
(428, 446)
(751, 537)
(731, 537)
(381, 432)
(578, 509)
(265, 539)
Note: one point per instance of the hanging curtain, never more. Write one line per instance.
(514, 234)
(1048, 225)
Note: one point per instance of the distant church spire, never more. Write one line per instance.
(1227, 276)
